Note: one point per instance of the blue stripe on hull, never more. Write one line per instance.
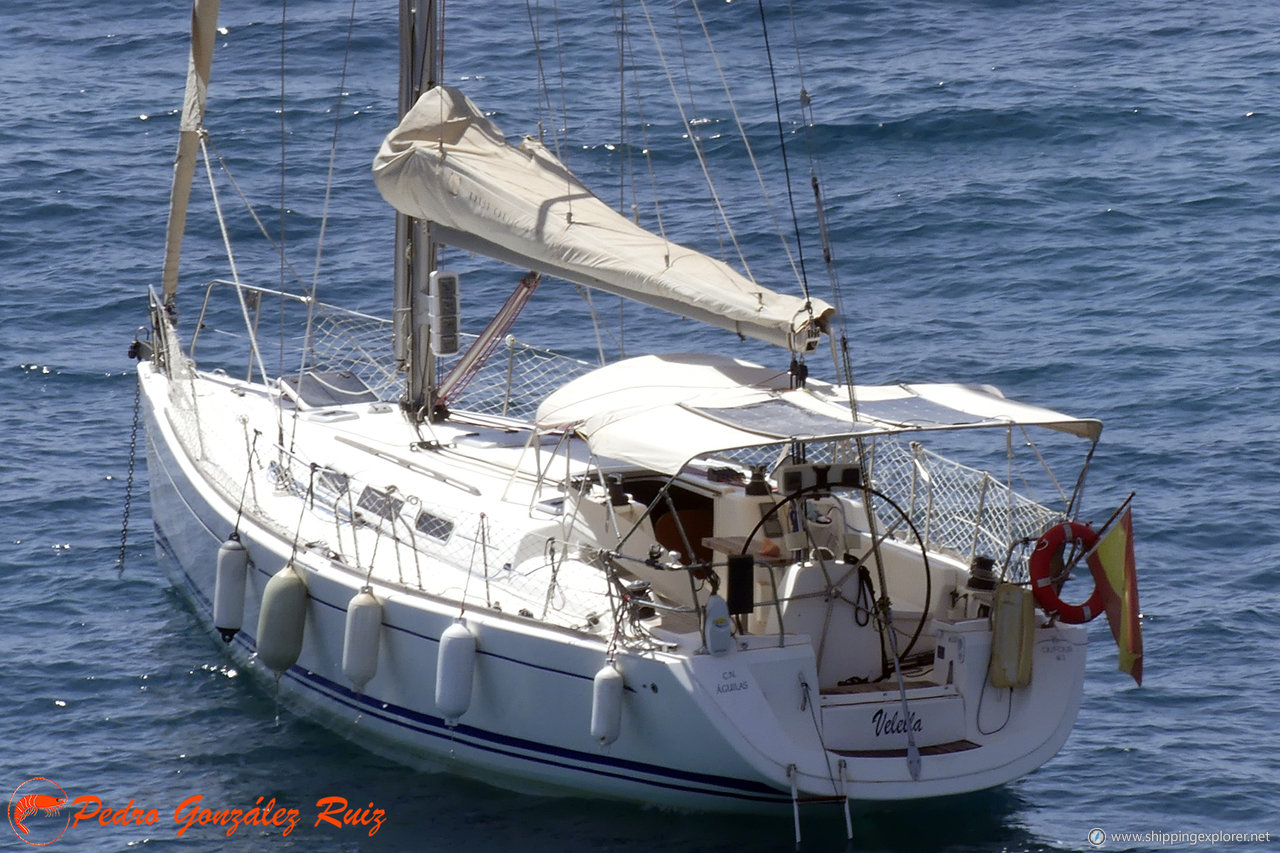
(532, 752)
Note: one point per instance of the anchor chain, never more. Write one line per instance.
(128, 486)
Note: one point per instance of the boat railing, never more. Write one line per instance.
(957, 509)
(515, 379)
(512, 383)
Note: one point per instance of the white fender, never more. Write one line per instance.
(606, 705)
(455, 669)
(281, 620)
(361, 638)
(228, 589)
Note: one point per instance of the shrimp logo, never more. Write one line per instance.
(32, 802)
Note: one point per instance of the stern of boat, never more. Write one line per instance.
(855, 740)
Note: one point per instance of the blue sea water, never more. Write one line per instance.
(1076, 202)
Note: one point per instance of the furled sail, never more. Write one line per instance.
(448, 164)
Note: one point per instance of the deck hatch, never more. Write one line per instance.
(379, 503)
(434, 526)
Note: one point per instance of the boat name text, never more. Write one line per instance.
(894, 724)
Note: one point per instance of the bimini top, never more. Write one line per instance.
(660, 411)
(448, 164)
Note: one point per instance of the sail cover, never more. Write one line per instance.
(448, 164)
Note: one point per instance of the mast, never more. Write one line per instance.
(415, 252)
(204, 28)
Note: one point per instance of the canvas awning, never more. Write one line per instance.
(660, 411)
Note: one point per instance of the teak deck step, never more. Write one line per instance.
(875, 687)
(936, 749)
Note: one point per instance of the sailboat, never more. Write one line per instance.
(690, 580)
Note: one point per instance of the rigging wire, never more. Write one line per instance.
(305, 355)
(437, 73)
(256, 353)
(782, 145)
(252, 211)
(558, 130)
(558, 127)
(766, 196)
(697, 149)
(695, 136)
(328, 184)
(544, 97)
(626, 162)
(629, 60)
(841, 359)
(561, 127)
(625, 165)
(596, 325)
(285, 459)
(545, 106)
(284, 21)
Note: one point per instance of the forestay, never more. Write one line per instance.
(448, 164)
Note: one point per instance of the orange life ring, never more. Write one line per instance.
(1049, 546)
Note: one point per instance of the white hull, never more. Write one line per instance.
(698, 731)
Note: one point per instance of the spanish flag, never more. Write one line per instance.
(1112, 564)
